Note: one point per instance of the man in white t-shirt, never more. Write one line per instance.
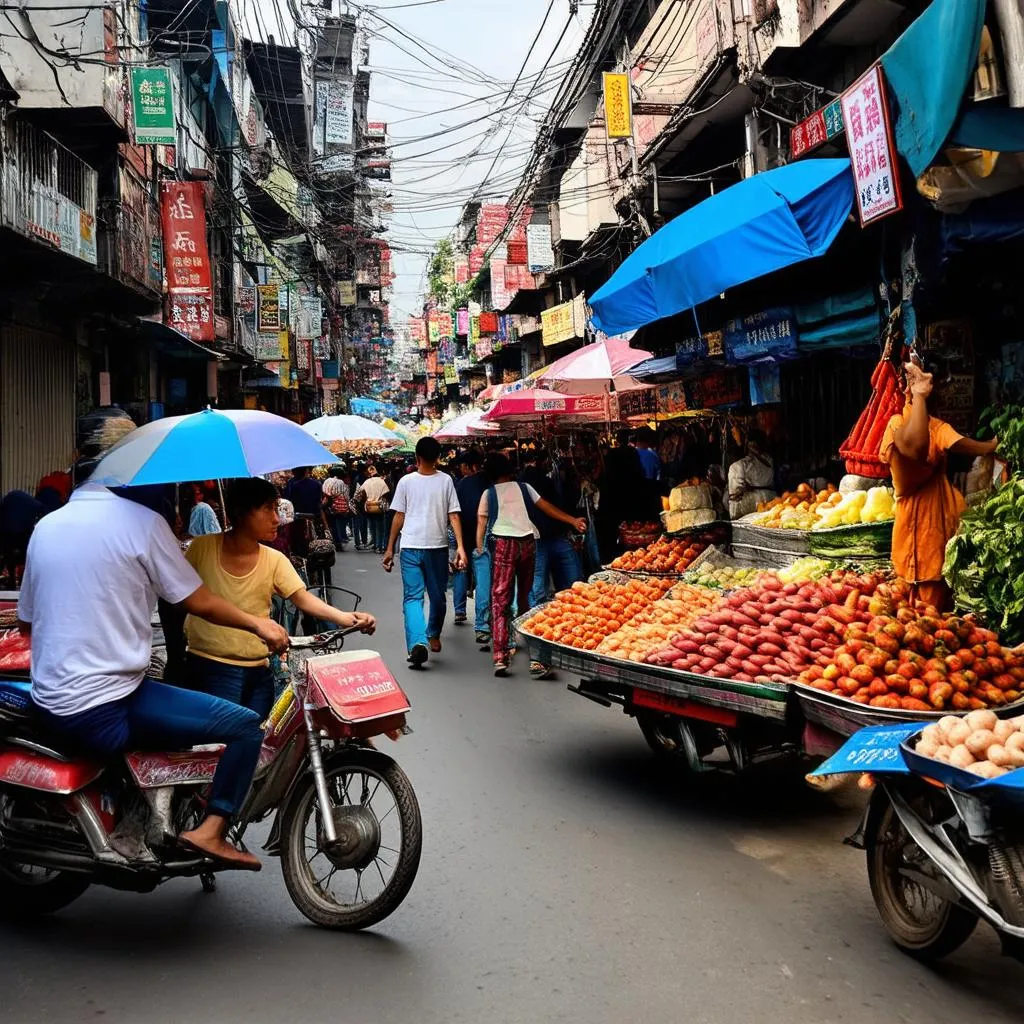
(92, 576)
(425, 505)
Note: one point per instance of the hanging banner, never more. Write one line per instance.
(338, 114)
(872, 149)
(346, 293)
(451, 375)
(268, 347)
(564, 321)
(618, 106)
(770, 334)
(418, 331)
(153, 107)
(310, 319)
(540, 257)
(462, 322)
(444, 325)
(433, 332)
(187, 259)
(474, 330)
(268, 311)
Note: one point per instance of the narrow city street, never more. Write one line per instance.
(564, 877)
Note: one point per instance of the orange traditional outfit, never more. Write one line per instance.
(928, 508)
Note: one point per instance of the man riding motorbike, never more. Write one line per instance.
(92, 576)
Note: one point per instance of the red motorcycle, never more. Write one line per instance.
(347, 825)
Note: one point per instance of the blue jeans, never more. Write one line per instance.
(481, 569)
(339, 528)
(160, 717)
(359, 529)
(378, 530)
(252, 687)
(557, 557)
(424, 570)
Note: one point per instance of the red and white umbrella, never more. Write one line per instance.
(535, 405)
(468, 424)
(600, 366)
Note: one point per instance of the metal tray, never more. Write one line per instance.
(846, 716)
(769, 700)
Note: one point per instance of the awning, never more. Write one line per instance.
(760, 225)
(174, 343)
(927, 70)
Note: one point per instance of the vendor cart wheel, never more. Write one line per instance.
(675, 741)
(921, 923)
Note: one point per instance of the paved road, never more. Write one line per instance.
(564, 878)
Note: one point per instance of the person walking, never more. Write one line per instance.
(424, 503)
(506, 520)
(372, 495)
(557, 559)
(338, 504)
(360, 526)
(476, 577)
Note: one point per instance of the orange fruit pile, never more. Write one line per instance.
(653, 627)
(664, 555)
(586, 613)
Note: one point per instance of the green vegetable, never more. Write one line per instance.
(1006, 423)
(868, 540)
(984, 563)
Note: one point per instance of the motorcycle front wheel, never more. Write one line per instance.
(921, 923)
(367, 872)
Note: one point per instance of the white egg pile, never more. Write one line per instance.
(979, 743)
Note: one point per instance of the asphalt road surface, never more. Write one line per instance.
(565, 877)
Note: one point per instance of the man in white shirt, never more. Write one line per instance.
(94, 571)
(425, 505)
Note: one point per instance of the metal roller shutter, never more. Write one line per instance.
(37, 405)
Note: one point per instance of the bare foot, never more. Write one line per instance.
(220, 849)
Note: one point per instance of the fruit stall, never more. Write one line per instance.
(707, 651)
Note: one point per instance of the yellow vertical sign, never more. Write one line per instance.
(618, 106)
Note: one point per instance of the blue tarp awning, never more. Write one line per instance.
(927, 70)
(757, 226)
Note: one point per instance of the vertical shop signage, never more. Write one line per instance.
(821, 127)
(540, 257)
(346, 293)
(418, 331)
(872, 152)
(618, 106)
(338, 113)
(187, 259)
(153, 106)
(268, 311)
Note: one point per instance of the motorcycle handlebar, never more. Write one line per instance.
(320, 639)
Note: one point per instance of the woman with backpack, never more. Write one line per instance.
(505, 523)
(372, 493)
(338, 504)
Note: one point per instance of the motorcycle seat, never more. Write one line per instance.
(15, 700)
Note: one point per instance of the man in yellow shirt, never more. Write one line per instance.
(240, 567)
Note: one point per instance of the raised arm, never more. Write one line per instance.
(912, 439)
(578, 524)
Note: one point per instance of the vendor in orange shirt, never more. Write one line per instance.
(928, 507)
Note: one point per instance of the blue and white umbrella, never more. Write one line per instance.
(210, 445)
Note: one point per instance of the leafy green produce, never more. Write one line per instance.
(985, 562)
(1006, 423)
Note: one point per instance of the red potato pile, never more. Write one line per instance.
(917, 660)
(773, 629)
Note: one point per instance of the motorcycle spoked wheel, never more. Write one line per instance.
(29, 890)
(380, 837)
(922, 924)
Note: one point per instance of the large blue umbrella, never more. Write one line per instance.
(208, 445)
(761, 224)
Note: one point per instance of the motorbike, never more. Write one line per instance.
(346, 822)
(940, 858)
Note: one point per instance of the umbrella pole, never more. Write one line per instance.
(223, 507)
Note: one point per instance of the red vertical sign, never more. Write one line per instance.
(187, 259)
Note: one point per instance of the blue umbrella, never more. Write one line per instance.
(208, 445)
(761, 224)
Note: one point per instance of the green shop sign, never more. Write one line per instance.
(153, 106)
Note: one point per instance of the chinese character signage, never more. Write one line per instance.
(153, 106)
(563, 322)
(187, 259)
(346, 293)
(768, 334)
(618, 106)
(268, 312)
(540, 256)
(872, 153)
(338, 113)
(418, 331)
(821, 127)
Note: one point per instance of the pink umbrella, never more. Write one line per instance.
(600, 366)
(534, 405)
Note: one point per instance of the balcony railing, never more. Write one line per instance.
(48, 193)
